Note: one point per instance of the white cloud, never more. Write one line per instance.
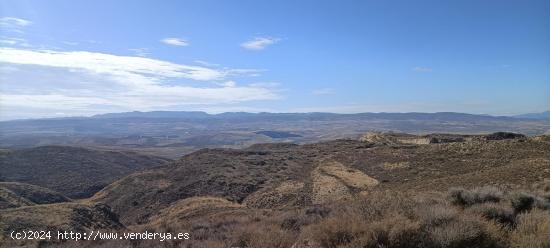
(14, 21)
(323, 91)
(422, 69)
(175, 41)
(259, 43)
(84, 82)
(114, 65)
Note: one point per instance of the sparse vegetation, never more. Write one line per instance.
(477, 193)
(533, 230)
(462, 197)
(20, 194)
(382, 219)
(72, 171)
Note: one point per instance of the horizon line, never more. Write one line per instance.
(264, 112)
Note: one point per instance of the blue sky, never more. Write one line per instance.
(66, 58)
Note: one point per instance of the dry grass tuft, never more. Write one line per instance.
(533, 230)
(501, 214)
(479, 217)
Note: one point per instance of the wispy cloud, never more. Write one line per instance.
(81, 82)
(323, 91)
(175, 41)
(259, 43)
(229, 83)
(206, 63)
(142, 52)
(14, 21)
(108, 63)
(265, 84)
(8, 41)
(422, 69)
(13, 25)
(15, 42)
(70, 43)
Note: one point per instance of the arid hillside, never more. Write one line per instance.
(54, 217)
(72, 171)
(383, 190)
(283, 175)
(20, 194)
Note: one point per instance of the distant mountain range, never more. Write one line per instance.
(311, 115)
(540, 116)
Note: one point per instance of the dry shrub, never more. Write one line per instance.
(436, 215)
(466, 232)
(502, 214)
(447, 226)
(429, 225)
(522, 202)
(397, 231)
(482, 217)
(542, 202)
(379, 204)
(394, 220)
(533, 230)
(260, 236)
(337, 231)
(382, 219)
(295, 220)
(465, 198)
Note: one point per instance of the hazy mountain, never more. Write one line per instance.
(155, 114)
(542, 116)
(173, 134)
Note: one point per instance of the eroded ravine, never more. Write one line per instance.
(334, 181)
(329, 181)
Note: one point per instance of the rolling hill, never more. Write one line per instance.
(383, 190)
(72, 171)
(14, 195)
(277, 175)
